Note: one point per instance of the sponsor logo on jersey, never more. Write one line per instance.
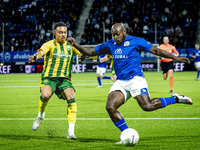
(118, 51)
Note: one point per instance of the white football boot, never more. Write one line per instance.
(71, 136)
(38, 121)
(182, 99)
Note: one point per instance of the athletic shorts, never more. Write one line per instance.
(58, 84)
(101, 70)
(132, 87)
(197, 64)
(167, 66)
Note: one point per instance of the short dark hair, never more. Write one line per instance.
(58, 24)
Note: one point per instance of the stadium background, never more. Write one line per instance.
(26, 24)
(174, 127)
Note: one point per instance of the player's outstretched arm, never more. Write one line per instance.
(35, 57)
(85, 51)
(162, 53)
(105, 58)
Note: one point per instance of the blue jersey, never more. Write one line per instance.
(103, 64)
(126, 56)
(197, 54)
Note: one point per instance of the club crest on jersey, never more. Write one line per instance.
(68, 47)
(46, 81)
(127, 43)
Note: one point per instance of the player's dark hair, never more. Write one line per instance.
(59, 24)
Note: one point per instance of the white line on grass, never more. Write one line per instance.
(79, 84)
(6, 119)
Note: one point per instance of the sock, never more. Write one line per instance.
(121, 125)
(71, 128)
(167, 100)
(99, 80)
(42, 104)
(71, 111)
(198, 72)
(106, 77)
(171, 82)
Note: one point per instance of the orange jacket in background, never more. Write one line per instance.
(169, 48)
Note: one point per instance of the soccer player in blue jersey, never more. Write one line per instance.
(196, 56)
(101, 70)
(125, 50)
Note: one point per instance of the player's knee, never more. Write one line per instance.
(110, 108)
(46, 95)
(71, 96)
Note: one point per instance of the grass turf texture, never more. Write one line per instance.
(174, 127)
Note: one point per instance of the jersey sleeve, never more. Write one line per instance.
(175, 50)
(102, 49)
(76, 52)
(142, 43)
(46, 47)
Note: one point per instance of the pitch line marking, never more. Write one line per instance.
(12, 119)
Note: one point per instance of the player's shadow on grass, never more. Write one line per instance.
(56, 138)
(94, 140)
(20, 137)
(29, 137)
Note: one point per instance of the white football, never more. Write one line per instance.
(129, 137)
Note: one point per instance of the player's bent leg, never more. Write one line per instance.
(71, 112)
(171, 80)
(46, 93)
(114, 101)
(165, 76)
(198, 72)
(146, 104)
(99, 80)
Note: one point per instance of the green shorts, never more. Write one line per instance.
(58, 84)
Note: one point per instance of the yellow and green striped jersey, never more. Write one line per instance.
(58, 59)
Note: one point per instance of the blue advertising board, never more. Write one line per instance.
(23, 56)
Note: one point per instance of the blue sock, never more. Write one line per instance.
(198, 71)
(106, 77)
(99, 80)
(167, 100)
(121, 125)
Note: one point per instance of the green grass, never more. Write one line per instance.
(177, 128)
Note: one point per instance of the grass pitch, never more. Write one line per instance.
(174, 127)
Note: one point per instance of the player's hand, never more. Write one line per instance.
(94, 60)
(71, 40)
(81, 57)
(31, 59)
(101, 60)
(183, 59)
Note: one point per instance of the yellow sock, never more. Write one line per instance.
(71, 112)
(42, 104)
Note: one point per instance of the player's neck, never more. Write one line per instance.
(61, 43)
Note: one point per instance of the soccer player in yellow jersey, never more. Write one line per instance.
(166, 63)
(106, 58)
(56, 76)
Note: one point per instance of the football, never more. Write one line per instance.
(129, 137)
